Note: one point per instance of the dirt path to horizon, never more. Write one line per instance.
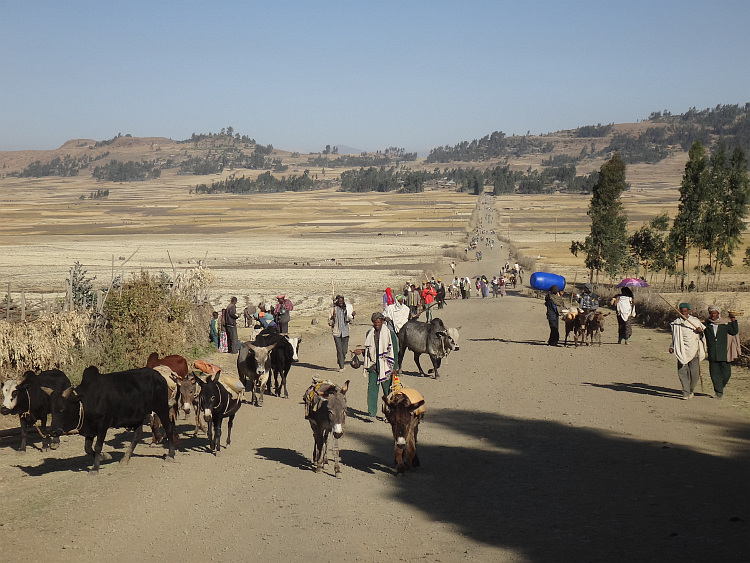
(529, 453)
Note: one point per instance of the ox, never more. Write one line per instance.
(430, 338)
(33, 398)
(114, 400)
(594, 326)
(295, 341)
(217, 402)
(403, 409)
(325, 408)
(254, 367)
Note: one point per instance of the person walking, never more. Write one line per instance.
(440, 290)
(554, 303)
(341, 315)
(281, 313)
(721, 348)
(589, 300)
(222, 331)
(381, 361)
(688, 348)
(495, 286)
(230, 324)
(428, 299)
(414, 301)
(214, 329)
(398, 313)
(625, 312)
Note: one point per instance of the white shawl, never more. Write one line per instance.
(385, 359)
(398, 313)
(625, 307)
(685, 341)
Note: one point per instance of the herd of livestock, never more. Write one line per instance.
(158, 392)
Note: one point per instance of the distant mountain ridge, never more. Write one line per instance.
(648, 141)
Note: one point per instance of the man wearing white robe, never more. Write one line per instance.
(688, 348)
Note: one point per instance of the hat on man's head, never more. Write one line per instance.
(714, 308)
(282, 296)
(400, 297)
(685, 306)
(588, 286)
(376, 316)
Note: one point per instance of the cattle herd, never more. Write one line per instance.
(157, 393)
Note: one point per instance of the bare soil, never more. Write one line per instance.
(529, 453)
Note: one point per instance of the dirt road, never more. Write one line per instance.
(529, 453)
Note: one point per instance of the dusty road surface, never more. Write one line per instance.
(529, 453)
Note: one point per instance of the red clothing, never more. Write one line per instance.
(428, 295)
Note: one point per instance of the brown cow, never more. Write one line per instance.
(179, 366)
(176, 363)
(403, 409)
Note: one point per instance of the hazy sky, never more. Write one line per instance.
(367, 74)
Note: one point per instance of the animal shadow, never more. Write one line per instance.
(76, 464)
(292, 458)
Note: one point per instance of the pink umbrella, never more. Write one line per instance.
(632, 282)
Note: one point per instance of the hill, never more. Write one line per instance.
(554, 161)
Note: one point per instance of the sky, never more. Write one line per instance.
(301, 75)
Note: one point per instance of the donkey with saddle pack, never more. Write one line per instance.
(325, 408)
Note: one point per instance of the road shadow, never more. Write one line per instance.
(639, 388)
(306, 365)
(552, 492)
(507, 341)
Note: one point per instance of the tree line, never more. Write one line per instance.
(714, 200)
(265, 183)
(727, 123)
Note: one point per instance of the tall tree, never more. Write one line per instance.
(607, 244)
(684, 232)
(734, 198)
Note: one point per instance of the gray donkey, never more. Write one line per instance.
(325, 408)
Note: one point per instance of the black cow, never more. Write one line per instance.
(33, 398)
(282, 357)
(115, 400)
(269, 354)
(427, 338)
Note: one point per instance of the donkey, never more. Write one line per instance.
(325, 408)
(216, 403)
(594, 326)
(403, 409)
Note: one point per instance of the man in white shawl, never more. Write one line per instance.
(381, 361)
(398, 313)
(689, 349)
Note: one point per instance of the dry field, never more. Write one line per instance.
(303, 244)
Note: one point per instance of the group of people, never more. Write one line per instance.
(716, 338)
(223, 328)
(430, 294)
(381, 342)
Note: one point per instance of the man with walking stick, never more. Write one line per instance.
(689, 349)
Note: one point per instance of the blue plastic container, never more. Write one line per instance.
(544, 280)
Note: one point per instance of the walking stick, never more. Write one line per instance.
(700, 373)
(575, 277)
